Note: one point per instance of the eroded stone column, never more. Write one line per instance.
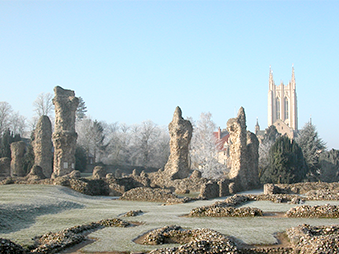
(64, 136)
(180, 130)
(42, 145)
(17, 163)
(5, 167)
(243, 149)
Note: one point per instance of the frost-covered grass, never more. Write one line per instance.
(30, 210)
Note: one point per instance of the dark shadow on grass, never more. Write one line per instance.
(17, 217)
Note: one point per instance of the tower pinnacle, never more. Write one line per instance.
(293, 77)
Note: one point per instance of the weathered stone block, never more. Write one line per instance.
(209, 190)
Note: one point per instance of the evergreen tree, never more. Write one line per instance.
(270, 136)
(5, 141)
(81, 110)
(311, 145)
(286, 163)
(80, 158)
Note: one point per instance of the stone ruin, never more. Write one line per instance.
(42, 145)
(243, 149)
(175, 176)
(64, 136)
(17, 162)
(5, 167)
(180, 130)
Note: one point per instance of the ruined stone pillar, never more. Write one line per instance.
(5, 167)
(252, 173)
(42, 145)
(17, 163)
(64, 136)
(243, 148)
(180, 130)
(237, 143)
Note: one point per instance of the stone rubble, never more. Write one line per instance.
(36, 173)
(133, 213)
(193, 240)
(306, 239)
(317, 211)
(227, 208)
(8, 247)
(99, 172)
(149, 194)
(226, 212)
(303, 188)
(55, 242)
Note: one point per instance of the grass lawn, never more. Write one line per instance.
(31, 210)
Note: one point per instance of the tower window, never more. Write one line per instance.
(286, 108)
(278, 108)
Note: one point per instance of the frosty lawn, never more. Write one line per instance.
(30, 210)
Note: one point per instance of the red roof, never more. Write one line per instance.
(220, 142)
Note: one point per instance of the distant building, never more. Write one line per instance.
(282, 107)
(221, 137)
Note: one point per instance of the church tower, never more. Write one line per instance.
(282, 105)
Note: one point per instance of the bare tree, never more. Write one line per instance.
(5, 116)
(119, 139)
(203, 148)
(91, 137)
(43, 105)
(18, 124)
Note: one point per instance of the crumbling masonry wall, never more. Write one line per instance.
(64, 136)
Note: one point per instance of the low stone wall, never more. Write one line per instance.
(193, 240)
(317, 211)
(325, 194)
(55, 242)
(190, 184)
(300, 188)
(133, 213)
(90, 187)
(148, 194)
(306, 239)
(225, 212)
(227, 208)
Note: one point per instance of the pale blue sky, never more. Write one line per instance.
(137, 60)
